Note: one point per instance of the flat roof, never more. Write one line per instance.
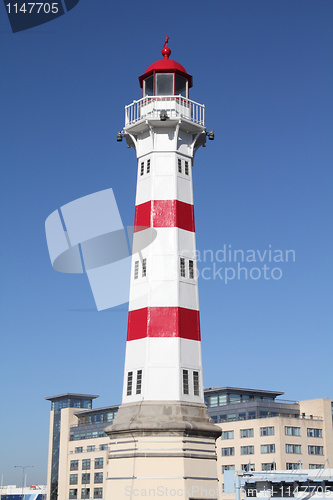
(95, 410)
(243, 391)
(72, 395)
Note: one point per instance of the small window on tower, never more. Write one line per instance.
(185, 382)
(179, 165)
(148, 166)
(186, 168)
(196, 383)
(182, 267)
(142, 169)
(129, 383)
(144, 268)
(136, 269)
(138, 381)
(191, 269)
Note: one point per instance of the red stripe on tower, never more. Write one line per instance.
(163, 322)
(164, 213)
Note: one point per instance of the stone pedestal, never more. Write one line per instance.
(162, 449)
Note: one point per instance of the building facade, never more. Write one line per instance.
(260, 432)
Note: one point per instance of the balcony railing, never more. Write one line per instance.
(174, 106)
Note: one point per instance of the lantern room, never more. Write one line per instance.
(165, 77)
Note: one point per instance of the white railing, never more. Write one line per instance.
(174, 106)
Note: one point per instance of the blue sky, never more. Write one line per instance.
(263, 68)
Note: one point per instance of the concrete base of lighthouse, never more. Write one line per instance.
(162, 449)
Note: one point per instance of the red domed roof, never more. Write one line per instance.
(166, 65)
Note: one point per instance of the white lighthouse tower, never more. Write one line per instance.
(163, 437)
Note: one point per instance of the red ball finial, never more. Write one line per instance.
(166, 51)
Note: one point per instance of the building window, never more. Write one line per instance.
(86, 464)
(91, 448)
(103, 447)
(247, 450)
(179, 165)
(227, 435)
(266, 431)
(222, 399)
(144, 268)
(228, 452)
(232, 417)
(293, 466)
(73, 493)
(292, 431)
(85, 478)
(234, 398)
(98, 492)
(74, 465)
(99, 463)
(185, 382)
(246, 433)
(213, 401)
(316, 450)
(85, 493)
(315, 433)
(268, 448)
(129, 383)
(293, 448)
(186, 168)
(73, 479)
(98, 477)
(227, 467)
(191, 269)
(196, 388)
(79, 449)
(136, 269)
(142, 169)
(182, 267)
(268, 466)
(148, 166)
(138, 381)
(316, 466)
(248, 467)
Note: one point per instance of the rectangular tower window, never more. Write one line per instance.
(182, 267)
(179, 165)
(99, 462)
(98, 492)
(317, 433)
(191, 269)
(85, 478)
(185, 382)
(85, 493)
(267, 431)
(138, 381)
(129, 383)
(144, 268)
(86, 464)
(136, 269)
(142, 169)
(74, 465)
(148, 166)
(186, 168)
(196, 383)
(98, 477)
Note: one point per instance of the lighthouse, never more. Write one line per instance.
(162, 438)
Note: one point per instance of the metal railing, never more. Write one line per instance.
(175, 107)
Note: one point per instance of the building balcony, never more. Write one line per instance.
(164, 108)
